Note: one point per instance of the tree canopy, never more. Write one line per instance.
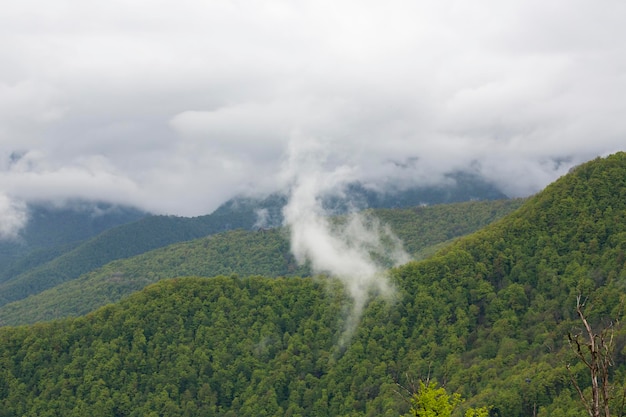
(489, 315)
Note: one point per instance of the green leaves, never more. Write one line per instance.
(433, 401)
(478, 412)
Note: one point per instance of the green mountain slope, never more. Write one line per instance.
(232, 252)
(51, 231)
(510, 293)
(487, 317)
(421, 228)
(120, 242)
(53, 249)
(263, 252)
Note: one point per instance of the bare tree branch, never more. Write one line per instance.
(597, 357)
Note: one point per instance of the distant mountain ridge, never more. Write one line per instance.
(459, 187)
(259, 252)
(39, 270)
(52, 230)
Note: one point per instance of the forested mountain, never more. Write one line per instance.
(55, 246)
(261, 252)
(124, 241)
(488, 318)
(52, 230)
(422, 227)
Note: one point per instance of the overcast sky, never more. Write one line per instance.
(176, 106)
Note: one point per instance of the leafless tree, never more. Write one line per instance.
(595, 350)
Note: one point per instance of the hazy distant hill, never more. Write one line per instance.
(52, 230)
(119, 242)
(460, 186)
(487, 317)
(261, 252)
(42, 269)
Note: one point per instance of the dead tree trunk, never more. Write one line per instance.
(595, 351)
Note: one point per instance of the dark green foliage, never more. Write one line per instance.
(487, 318)
(263, 252)
(181, 347)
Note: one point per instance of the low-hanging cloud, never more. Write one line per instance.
(352, 249)
(13, 217)
(187, 104)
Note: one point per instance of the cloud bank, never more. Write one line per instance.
(175, 107)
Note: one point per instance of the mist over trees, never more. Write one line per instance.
(487, 318)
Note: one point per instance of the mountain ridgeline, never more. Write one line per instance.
(486, 317)
(59, 245)
(51, 231)
(119, 242)
(261, 252)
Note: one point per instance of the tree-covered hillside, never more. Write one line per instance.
(511, 292)
(488, 318)
(116, 243)
(52, 230)
(422, 227)
(54, 249)
(262, 252)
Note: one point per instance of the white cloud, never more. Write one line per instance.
(176, 106)
(345, 251)
(13, 218)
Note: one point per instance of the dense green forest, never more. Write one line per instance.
(261, 252)
(486, 318)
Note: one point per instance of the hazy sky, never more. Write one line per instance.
(175, 106)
